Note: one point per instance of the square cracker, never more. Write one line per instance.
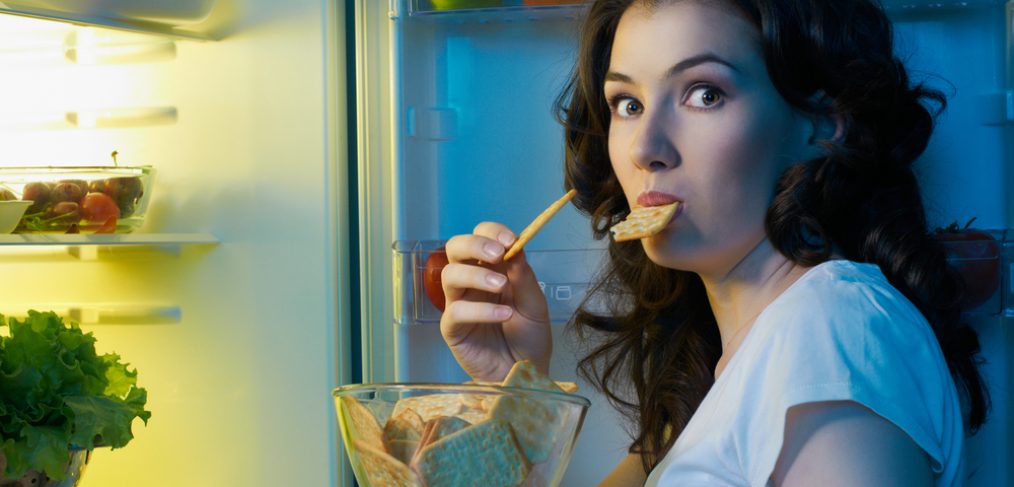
(381, 469)
(358, 423)
(535, 423)
(430, 406)
(483, 454)
(643, 221)
(402, 433)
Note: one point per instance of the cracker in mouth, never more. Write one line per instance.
(644, 221)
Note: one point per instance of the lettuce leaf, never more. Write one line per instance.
(57, 393)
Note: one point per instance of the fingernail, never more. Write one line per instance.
(505, 238)
(496, 280)
(491, 250)
(502, 312)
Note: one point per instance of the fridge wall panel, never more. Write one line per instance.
(480, 138)
(963, 53)
(253, 159)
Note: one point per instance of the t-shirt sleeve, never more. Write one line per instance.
(866, 344)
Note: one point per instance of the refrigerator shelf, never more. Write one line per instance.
(87, 246)
(105, 313)
(987, 262)
(162, 29)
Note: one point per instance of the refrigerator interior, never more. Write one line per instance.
(232, 316)
(465, 133)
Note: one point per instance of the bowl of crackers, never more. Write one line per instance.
(518, 432)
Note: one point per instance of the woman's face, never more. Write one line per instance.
(695, 118)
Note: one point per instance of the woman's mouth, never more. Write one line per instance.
(655, 198)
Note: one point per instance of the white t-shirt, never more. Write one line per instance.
(840, 332)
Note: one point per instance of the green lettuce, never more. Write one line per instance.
(57, 393)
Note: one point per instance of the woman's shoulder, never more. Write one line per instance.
(842, 293)
(842, 332)
(843, 323)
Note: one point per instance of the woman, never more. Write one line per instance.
(794, 324)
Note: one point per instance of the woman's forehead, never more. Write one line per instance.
(653, 35)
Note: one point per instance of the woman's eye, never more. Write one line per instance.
(627, 107)
(705, 97)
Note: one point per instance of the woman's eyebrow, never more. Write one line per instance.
(678, 67)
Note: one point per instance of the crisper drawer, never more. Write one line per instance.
(563, 275)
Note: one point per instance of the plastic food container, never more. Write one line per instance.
(11, 213)
(79, 199)
(440, 434)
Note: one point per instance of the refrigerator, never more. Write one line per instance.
(309, 156)
(456, 126)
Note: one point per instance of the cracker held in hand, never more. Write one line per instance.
(643, 221)
(537, 225)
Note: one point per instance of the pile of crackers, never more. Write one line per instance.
(456, 439)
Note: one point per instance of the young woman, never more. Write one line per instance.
(794, 324)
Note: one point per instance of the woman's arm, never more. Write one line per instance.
(843, 443)
(628, 473)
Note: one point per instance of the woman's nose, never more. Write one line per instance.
(652, 148)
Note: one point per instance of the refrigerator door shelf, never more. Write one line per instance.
(936, 5)
(978, 257)
(564, 276)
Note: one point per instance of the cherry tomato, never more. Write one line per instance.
(99, 208)
(431, 277)
(976, 256)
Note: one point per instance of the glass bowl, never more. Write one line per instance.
(79, 199)
(79, 458)
(449, 434)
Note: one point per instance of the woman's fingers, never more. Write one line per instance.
(527, 293)
(459, 314)
(458, 278)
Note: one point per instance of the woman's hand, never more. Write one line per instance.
(496, 313)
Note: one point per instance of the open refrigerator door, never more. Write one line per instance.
(226, 299)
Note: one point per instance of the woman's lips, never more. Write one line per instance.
(655, 198)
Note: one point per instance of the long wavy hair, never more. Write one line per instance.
(658, 343)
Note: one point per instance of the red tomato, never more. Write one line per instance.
(99, 208)
(431, 277)
(976, 256)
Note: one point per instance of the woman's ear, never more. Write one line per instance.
(828, 128)
(828, 124)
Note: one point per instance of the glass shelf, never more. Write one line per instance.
(180, 28)
(105, 314)
(87, 246)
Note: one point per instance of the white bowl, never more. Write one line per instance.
(11, 213)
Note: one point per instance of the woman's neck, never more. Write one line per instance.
(738, 295)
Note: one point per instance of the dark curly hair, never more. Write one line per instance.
(659, 344)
